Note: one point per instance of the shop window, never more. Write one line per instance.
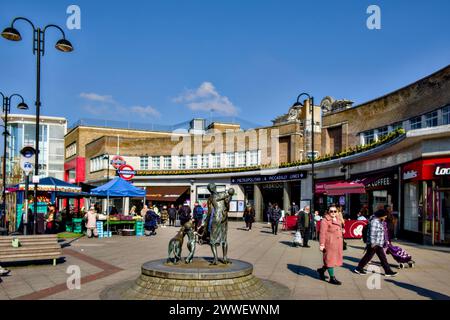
(143, 163)
(431, 119)
(411, 210)
(369, 137)
(446, 115)
(416, 123)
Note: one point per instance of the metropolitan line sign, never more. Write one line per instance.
(270, 178)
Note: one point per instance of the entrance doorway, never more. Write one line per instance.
(271, 193)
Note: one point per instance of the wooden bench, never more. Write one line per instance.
(32, 248)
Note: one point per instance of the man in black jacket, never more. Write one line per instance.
(172, 215)
(275, 215)
(185, 214)
(304, 225)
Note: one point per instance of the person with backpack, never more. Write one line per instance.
(198, 215)
(376, 240)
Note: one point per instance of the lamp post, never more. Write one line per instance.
(106, 157)
(10, 33)
(311, 109)
(6, 103)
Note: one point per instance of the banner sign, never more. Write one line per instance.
(270, 178)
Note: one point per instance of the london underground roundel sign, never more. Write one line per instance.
(126, 172)
(117, 162)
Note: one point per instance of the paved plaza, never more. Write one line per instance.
(111, 261)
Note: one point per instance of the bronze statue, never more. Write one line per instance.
(216, 222)
(176, 243)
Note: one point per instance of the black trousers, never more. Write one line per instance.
(305, 235)
(368, 256)
(248, 224)
(171, 221)
(274, 227)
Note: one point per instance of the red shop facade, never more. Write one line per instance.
(426, 201)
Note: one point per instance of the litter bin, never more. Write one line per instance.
(77, 225)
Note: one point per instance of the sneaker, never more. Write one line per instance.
(360, 271)
(391, 274)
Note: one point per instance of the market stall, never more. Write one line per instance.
(118, 188)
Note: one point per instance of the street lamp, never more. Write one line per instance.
(106, 157)
(11, 33)
(311, 109)
(6, 103)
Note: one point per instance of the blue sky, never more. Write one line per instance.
(169, 61)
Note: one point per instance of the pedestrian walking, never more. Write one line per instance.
(294, 209)
(164, 216)
(249, 217)
(172, 215)
(304, 225)
(376, 242)
(275, 218)
(269, 212)
(330, 239)
(91, 222)
(198, 215)
(185, 214)
(151, 222)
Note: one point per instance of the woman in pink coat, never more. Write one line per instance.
(331, 244)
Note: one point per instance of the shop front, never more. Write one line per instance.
(261, 191)
(426, 200)
(167, 195)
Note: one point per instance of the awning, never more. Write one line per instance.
(342, 188)
(320, 186)
(166, 193)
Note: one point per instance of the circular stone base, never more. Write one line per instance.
(195, 281)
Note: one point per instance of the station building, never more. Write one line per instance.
(392, 150)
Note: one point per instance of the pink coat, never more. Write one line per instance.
(331, 238)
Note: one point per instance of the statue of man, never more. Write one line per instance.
(216, 222)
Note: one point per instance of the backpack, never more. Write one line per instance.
(365, 233)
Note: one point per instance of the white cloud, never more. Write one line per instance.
(206, 98)
(148, 111)
(105, 104)
(97, 97)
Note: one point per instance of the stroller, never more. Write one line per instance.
(401, 256)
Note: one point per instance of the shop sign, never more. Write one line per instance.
(270, 178)
(442, 171)
(126, 172)
(382, 182)
(118, 161)
(411, 174)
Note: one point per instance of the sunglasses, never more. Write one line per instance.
(333, 211)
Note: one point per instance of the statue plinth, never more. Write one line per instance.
(196, 281)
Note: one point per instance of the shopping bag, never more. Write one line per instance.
(177, 223)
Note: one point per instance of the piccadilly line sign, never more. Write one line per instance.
(270, 178)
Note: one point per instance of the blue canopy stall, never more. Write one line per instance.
(117, 188)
